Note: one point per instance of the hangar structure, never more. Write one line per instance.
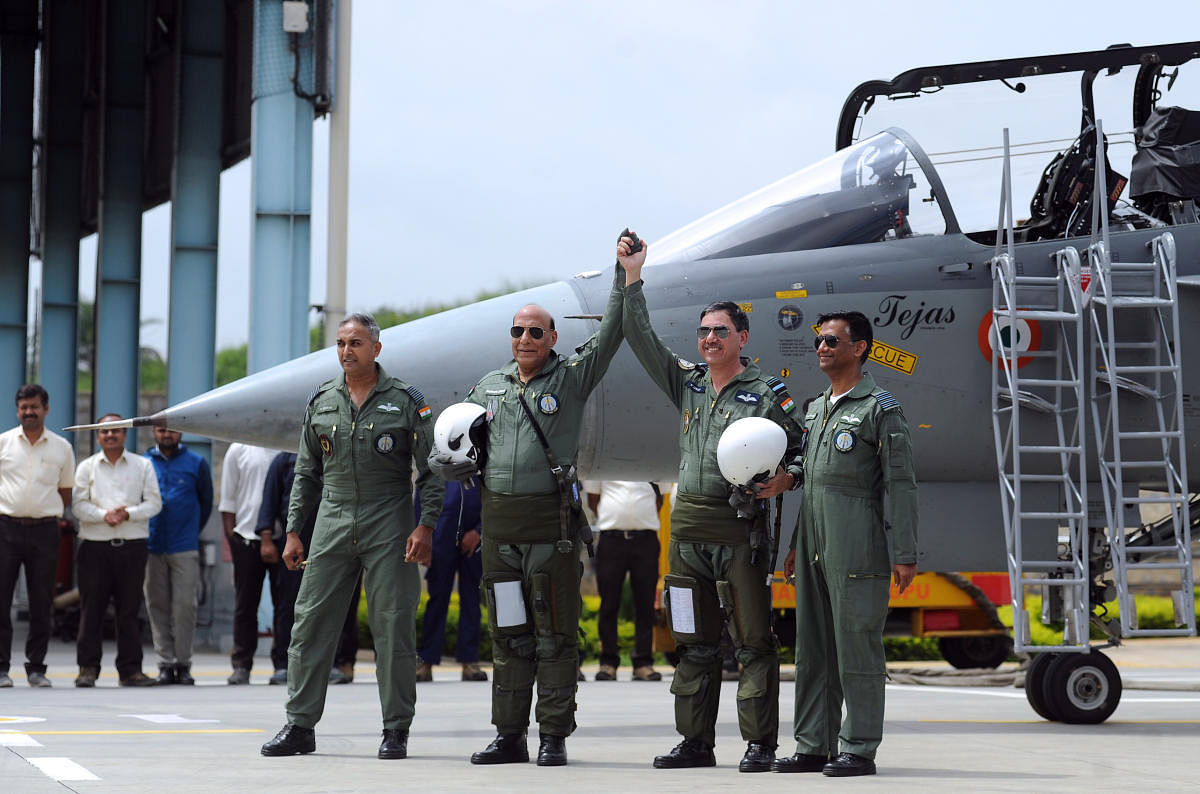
(111, 107)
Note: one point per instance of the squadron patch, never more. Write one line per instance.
(385, 443)
(844, 441)
(747, 397)
(326, 445)
(548, 404)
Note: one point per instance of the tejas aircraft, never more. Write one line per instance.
(970, 307)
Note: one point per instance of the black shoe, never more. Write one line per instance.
(686, 754)
(394, 744)
(758, 757)
(166, 675)
(291, 740)
(552, 751)
(183, 674)
(507, 748)
(800, 762)
(849, 765)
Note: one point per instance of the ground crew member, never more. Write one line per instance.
(857, 447)
(360, 430)
(711, 558)
(528, 553)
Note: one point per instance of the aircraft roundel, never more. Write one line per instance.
(1020, 335)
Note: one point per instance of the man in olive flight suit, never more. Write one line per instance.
(857, 447)
(710, 555)
(360, 433)
(527, 555)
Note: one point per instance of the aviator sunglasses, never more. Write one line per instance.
(517, 331)
(721, 331)
(830, 341)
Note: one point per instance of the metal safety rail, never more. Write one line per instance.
(1054, 388)
(1137, 411)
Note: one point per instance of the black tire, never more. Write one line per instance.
(1035, 677)
(1082, 688)
(968, 653)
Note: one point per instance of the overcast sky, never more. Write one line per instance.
(496, 142)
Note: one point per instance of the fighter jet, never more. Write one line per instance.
(1041, 424)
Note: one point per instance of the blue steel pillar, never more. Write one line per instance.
(119, 250)
(281, 152)
(62, 165)
(18, 40)
(195, 199)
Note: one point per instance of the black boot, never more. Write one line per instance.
(800, 762)
(552, 751)
(688, 753)
(166, 675)
(758, 757)
(291, 740)
(849, 765)
(183, 674)
(394, 744)
(507, 748)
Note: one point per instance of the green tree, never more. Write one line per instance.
(231, 364)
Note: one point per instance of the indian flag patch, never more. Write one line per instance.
(425, 412)
(787, 405)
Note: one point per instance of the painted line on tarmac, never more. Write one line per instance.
(62, 769)
(14, 739)
(164, 719)
(1047, 722)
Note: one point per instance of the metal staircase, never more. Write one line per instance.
(1137, 412)
(1054, 386)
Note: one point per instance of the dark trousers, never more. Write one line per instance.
(285, 616)
(111, 570)
(447, 563)
(249, 571)
(34, 545)
(619, 553)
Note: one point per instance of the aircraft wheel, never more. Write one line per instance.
(966, 653)
(1082, 688)
(1035, 677)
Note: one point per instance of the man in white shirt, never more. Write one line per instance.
(243, 474)
(627, 543)
(115, 496)
(37, 470)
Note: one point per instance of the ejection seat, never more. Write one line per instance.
(1165, 179)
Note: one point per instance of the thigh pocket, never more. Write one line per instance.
(866, 601)
(508, 614)
(692, 613)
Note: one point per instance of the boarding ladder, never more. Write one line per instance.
(1137, 413)
(1052, 385)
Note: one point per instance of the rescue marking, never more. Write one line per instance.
(893, 357)
(788, 294)
(748, 308)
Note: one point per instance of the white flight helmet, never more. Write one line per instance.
(750, 447)
(460, 434)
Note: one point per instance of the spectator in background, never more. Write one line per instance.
(242, 477)
(456, 538)
(627, 543)
(37, 470)
(173, 563)
(272, 528)
(115, 496)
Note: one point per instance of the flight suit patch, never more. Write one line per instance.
(699, 388)
(747, 397)
(684, 364)
(548, 404)
(326, 445)
(385, 443)
(844, 441)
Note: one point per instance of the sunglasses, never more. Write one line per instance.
(721, 331)
(517, 331)
(830, 341)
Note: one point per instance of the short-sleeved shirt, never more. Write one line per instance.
(31, 474)
(243, 473)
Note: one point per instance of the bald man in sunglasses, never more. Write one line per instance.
(531, 565)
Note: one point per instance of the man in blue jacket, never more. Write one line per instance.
(173, 562)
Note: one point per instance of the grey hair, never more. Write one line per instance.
(366, 321)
